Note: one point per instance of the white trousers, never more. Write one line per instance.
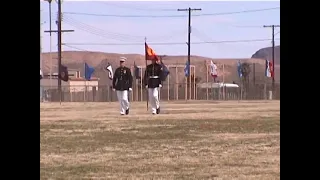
(123, 100)
(153, 94)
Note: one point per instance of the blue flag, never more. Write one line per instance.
(239, 69)
(186, 69)
(165, 71)
(136, 71)
(88, 71)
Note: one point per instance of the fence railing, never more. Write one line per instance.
(167, 93)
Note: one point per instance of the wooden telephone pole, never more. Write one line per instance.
(273, 47)
(59, 31)
(189, 38)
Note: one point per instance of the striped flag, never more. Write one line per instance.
(213, 70)
(187, 69)
(269, 69)
(239, 69)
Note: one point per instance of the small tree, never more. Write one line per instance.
(194, 80)
(245, 70)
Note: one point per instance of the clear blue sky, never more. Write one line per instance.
(132, 30)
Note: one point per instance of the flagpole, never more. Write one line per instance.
(141, 86)
(135, 80)
(168, 91)
(137, 87)
(189, 81)
(60, 94)
(85, 83)
(240, 87)
(223, 88)
(207, 80)
(212, 84)
(132, 92)
(186, 89)
(145, 41)
(194, 83)
(176, 84)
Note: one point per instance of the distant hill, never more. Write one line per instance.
(74, 60)
(266, 53)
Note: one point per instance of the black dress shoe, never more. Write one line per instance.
(127, 111)
(158, 110)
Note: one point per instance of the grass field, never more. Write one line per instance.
(193, 140)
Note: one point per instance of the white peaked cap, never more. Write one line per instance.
(123, 59)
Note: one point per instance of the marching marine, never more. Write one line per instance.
(152, 81)
(122, 83)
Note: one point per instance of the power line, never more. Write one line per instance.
(99, 32)
(203, 35)
(112, 35)
(73, 47)
(172, 16)
(168, 43)
(136, 8)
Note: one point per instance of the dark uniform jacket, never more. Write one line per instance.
(153, 75)
(122, 79)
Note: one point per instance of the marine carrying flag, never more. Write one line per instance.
(213, 70)
(110, 71)
(187, 69)
(239, 69)
(269, 69)
(150, 53)
(63, 73)
(88, 71)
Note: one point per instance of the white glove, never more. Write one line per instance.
(160, 86)
(113, 89)
(146, 86)
(130, 89)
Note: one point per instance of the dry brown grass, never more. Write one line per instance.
(193, 140)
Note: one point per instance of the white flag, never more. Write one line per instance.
(41, 74)
(213, 68)
(109, 69)
(269, 69)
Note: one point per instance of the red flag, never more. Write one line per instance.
(150, 53)
(269, 69)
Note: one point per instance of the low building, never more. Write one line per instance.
(76, 83)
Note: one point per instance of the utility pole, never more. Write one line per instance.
(40, 43)
(189, 37)
(41, 63)
(50, 24)
(59, 31)
(273, 47)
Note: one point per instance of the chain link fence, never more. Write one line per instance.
(169, 92)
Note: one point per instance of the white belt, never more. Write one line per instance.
(154, 77)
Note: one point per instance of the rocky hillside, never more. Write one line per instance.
(266, 53)
(75, 60)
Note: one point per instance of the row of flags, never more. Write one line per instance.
(268, 69)
(89, 70)
(150, 54)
